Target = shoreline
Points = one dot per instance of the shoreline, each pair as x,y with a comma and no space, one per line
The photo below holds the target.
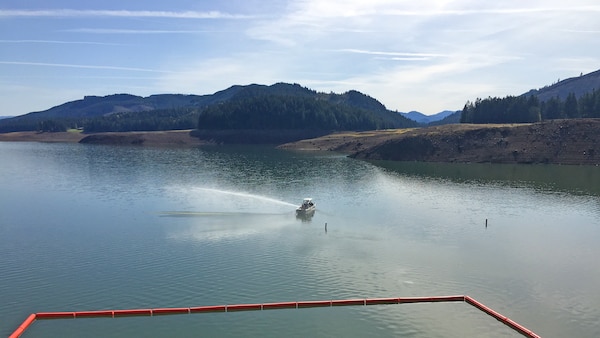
179,138
34,136
572,141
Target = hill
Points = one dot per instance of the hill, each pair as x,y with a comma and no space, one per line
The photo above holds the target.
579,86
348,111
93,106
124,112
571,98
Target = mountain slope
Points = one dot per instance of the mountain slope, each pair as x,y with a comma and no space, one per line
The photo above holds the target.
92,106
577,85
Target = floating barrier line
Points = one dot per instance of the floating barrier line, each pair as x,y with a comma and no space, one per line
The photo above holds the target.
272,306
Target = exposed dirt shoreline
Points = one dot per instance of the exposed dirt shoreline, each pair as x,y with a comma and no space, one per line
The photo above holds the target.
575,141
177,138
31,136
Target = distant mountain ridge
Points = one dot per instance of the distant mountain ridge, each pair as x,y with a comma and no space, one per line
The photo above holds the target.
579,86
157,112
426,119
92,106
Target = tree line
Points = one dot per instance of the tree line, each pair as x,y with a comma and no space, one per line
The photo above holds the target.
160,119
294,112
350,111
524,109
154,120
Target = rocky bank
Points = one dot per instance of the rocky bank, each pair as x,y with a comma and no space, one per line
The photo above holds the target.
574,141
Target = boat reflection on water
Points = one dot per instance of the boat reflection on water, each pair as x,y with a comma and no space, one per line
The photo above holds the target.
305,216
306,210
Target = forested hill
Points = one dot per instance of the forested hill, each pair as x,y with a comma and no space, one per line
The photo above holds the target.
577,97
93,106
299,112
124,112
577,86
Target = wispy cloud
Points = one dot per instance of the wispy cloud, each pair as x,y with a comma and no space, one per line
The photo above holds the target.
62,42
67,65
120,13
423,55
581,31
309,10
508,11
135,31
394,55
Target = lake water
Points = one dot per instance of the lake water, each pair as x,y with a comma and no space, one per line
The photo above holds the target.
86,227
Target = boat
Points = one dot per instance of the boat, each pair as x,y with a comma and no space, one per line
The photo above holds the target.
307,207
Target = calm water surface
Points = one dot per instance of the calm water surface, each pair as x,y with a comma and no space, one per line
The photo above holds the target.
86,227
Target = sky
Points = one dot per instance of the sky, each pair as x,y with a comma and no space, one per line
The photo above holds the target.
426,55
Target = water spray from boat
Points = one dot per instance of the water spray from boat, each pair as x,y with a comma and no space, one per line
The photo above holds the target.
248,195
215,214
214,202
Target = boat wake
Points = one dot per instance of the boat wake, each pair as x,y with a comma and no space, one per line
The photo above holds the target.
247,195
215,214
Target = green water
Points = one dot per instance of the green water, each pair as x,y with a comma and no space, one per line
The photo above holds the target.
86,227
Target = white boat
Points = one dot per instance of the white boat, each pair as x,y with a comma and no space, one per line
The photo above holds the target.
307,207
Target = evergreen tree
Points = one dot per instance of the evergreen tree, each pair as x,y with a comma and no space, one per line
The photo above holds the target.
597,104
586,105
51,126
552,109
570,107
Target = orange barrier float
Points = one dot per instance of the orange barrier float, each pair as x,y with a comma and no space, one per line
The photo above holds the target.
280,305
19,331
460,298
507,321
348,302
314,303
100,313
52,315
272,306
244,307
170,311
133,312
211,308
381,301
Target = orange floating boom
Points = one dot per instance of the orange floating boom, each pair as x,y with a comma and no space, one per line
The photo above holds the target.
19,331
272,306
507,321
